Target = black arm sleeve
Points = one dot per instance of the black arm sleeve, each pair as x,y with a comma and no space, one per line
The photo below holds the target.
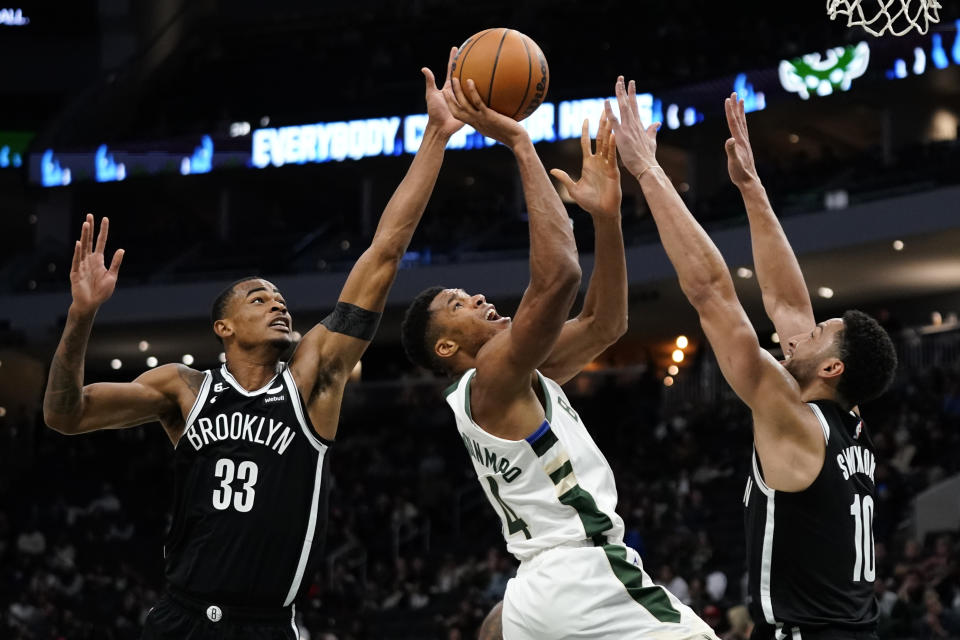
351,320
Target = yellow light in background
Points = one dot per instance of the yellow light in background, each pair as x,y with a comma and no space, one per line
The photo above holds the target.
775,338
678,356
668,381
682,343
673,369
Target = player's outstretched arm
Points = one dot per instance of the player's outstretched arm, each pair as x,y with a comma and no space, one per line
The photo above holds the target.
70,407
328,352
782,423
603,319
505,363
785,296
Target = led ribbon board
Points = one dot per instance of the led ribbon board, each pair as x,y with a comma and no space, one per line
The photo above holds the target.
815,75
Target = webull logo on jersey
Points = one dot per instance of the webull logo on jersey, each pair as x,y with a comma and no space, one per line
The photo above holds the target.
490,460
856,459
240,426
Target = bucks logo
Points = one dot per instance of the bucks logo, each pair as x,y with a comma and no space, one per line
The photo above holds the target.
813,74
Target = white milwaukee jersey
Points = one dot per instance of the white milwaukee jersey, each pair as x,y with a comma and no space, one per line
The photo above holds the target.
553,488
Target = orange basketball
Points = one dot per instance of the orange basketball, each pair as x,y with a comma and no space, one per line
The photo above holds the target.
508,68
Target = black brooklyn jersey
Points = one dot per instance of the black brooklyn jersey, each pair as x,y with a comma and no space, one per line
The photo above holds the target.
250,502
810,553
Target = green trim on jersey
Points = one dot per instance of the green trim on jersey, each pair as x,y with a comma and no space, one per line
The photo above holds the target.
546,397
654,598
466,395
594,521
544,442
561,473
452,388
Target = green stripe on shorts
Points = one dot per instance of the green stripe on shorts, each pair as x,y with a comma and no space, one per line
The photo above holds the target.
654,598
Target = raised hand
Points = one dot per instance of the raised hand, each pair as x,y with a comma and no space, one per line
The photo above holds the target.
91,282
740,161
598,189
437,109
638,145
467,106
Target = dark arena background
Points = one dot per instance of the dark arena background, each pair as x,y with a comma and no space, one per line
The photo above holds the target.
185,122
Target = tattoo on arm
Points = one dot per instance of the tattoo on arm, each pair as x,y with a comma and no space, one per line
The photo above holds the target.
64,394
193,379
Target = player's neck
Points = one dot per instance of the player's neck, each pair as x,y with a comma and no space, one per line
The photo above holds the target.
819,390
251,372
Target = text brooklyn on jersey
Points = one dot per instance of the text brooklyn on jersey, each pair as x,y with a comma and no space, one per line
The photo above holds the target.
250,503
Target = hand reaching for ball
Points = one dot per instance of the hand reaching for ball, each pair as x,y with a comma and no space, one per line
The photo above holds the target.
437,109
467,106
598,189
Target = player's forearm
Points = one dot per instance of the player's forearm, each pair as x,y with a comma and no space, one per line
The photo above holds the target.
700,267
405,208
605,304
778,272
553,250
63,399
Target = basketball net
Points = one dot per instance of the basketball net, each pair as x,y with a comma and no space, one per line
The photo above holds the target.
895,17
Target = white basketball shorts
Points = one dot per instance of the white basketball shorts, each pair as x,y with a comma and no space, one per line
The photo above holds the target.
600,593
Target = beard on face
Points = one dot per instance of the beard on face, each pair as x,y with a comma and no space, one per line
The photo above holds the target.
801,370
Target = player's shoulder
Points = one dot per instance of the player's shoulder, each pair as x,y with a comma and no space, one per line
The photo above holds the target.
173,377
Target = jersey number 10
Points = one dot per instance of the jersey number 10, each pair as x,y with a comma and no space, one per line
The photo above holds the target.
865,566
226,470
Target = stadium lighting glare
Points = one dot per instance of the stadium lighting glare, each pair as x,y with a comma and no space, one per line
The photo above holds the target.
3,411
678,356
222,357
673,369
744,273
794,138
775,338
682,342
668,381
143,346
152,362
187,359
898,245
825,292
115,364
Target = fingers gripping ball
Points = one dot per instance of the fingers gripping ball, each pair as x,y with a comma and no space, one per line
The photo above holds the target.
509,69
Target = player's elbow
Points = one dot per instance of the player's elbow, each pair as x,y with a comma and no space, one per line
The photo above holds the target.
706,292
566,276
615,329
60,423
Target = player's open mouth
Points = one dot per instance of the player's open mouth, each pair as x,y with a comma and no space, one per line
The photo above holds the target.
493,316
281,323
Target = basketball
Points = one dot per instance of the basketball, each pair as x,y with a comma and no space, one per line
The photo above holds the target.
509,69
